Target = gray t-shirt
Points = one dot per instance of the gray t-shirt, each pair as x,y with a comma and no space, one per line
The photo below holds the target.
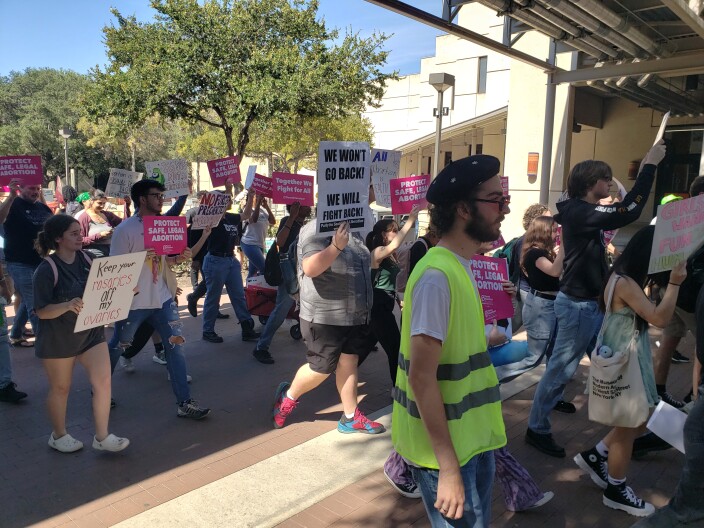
55,338
342,294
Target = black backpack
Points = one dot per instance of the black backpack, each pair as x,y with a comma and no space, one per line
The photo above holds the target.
687,298
272,266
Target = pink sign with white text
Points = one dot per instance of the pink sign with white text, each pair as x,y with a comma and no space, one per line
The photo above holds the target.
262,185
165,234
290,188
224,170
407,192
27,169
489,274
504,184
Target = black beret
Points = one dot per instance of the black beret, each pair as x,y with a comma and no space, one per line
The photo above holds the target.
455,181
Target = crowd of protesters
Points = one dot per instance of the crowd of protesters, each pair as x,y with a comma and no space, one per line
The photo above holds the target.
445,364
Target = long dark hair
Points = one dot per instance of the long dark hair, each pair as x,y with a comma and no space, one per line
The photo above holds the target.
538,235
584,176
633,263
375,237
53,228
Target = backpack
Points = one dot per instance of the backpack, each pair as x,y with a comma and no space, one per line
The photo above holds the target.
289,268
403,256
87,256
689,291
272,267
508,252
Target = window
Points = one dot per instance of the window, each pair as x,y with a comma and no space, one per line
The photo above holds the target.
480,148
448,158
481,74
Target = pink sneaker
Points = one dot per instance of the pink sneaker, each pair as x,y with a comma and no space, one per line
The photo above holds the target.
359,424
283,405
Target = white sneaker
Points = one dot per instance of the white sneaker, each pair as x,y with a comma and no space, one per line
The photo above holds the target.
126,363
188,378
65,444
159,357
111,443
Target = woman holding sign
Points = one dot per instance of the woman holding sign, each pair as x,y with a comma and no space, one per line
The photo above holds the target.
258,217
97,225
59,283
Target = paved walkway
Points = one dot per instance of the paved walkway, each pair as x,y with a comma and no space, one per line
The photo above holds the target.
234,470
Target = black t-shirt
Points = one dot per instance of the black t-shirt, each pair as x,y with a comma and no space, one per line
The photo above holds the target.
292,234
417,252
226,235
537,279
24,220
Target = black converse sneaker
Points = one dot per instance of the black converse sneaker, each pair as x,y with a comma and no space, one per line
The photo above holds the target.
595,465
621,497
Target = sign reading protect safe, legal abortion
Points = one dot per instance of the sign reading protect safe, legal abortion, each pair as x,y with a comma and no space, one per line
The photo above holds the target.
407,192
27,169
210,210
489,274
166,235
172,174
385,167
224,170
343,185
290,188
109,290
679,230
121,181
262,185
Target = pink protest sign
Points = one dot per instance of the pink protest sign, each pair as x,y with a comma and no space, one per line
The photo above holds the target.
289,188
499,242
407,192
165,234
262,186
489,274
28,169
504,184
224,170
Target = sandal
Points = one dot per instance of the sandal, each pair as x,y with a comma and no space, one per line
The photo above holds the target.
65,444
111,443
21,343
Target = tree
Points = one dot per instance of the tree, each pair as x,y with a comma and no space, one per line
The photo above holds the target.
291,143
232,64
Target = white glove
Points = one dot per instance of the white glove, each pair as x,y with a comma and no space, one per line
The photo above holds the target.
656,154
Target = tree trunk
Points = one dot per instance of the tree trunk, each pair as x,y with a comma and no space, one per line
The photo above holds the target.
230,143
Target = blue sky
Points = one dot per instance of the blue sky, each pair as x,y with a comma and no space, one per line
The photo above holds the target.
68,34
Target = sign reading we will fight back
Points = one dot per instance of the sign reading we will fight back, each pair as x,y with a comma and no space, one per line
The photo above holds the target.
290,188
407,192
489,274
27,169
224,170
679,231
166,235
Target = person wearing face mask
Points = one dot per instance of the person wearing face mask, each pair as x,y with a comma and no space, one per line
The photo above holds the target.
97,225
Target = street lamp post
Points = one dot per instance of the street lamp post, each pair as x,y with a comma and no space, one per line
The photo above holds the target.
441,82
66,133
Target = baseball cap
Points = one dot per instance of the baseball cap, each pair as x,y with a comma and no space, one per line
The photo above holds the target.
670,198
460,177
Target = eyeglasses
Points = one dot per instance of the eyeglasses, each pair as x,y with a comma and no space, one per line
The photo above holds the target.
159,196
502,202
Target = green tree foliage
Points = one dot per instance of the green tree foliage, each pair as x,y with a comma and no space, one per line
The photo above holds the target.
233,64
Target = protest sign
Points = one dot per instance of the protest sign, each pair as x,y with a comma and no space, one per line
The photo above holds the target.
224,170
499,242
262,185
504,185
663,126
165,234
210,210
109,290
289,188
385,167
679,230
407,192
251,172
489,273
343,185
27,169
172,174
120,182
49,195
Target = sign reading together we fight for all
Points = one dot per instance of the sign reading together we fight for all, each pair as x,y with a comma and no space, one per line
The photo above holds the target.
290,188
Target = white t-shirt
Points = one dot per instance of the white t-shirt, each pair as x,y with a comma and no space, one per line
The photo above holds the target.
431,302
128,237
255,234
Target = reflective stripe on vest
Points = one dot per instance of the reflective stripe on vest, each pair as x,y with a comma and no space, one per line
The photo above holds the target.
453,411
453,371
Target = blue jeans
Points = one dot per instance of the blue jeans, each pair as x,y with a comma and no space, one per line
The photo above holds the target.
22,275
219,272
255,255
165,321
5,360
578,321
284,302
18,324
477,476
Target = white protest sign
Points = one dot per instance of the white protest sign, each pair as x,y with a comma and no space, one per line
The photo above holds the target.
210,210
251,171
110,290
343,185
679,231
663,125
385,166
172,174
49,195
120,182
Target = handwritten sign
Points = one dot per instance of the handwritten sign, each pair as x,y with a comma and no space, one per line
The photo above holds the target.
27,169
49,195
172,174
262,186
165,234
289,188
489,273
251,172
210,210
109,290
407,192
678,232
121,181
385,167
224,170
343,185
